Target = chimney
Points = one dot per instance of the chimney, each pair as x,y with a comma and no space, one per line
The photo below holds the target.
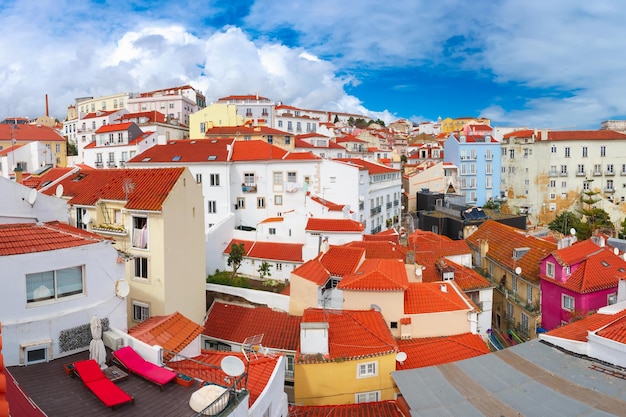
443,288
18,175
47,113
314,338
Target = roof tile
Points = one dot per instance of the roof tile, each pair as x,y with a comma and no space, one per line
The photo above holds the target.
433,351
428,297
173,332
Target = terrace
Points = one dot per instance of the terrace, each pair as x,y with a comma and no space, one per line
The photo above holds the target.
58,394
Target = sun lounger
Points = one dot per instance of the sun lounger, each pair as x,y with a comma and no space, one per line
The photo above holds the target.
95,380
131,360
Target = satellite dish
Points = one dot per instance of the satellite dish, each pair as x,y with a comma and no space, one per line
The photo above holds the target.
232,366
616,251
518,270
122,288
572,231
32,196
86,218
401,357
59,190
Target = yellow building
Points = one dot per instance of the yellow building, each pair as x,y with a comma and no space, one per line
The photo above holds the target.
449,125
511,259
345,357
156,218
215,115
18,134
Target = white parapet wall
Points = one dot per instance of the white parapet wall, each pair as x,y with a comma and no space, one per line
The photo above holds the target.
272,300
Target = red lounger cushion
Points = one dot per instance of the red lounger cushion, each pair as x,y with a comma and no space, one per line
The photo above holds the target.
94,379
138,365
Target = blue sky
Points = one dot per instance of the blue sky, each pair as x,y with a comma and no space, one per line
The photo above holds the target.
533,63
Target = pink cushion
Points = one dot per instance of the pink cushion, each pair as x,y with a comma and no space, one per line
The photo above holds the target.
88,370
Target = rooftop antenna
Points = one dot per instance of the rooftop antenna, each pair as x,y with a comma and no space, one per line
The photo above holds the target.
128,186
251,345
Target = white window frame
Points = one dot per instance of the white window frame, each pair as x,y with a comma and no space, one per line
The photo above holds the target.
367,369
367,397
142,259
144,312
211,207
53,295
565,302
550,269
214,180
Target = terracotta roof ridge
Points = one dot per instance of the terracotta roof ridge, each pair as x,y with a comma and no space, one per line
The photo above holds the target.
393,345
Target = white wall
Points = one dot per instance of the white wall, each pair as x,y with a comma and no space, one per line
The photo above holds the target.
272,300
15,206
24,324
273,396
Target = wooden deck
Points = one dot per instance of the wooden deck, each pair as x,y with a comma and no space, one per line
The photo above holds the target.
59,395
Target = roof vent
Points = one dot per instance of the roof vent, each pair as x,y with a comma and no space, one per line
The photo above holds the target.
443,288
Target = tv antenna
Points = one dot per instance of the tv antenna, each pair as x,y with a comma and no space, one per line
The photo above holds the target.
128,186
251,345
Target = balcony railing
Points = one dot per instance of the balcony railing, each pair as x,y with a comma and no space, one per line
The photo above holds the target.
110,229
248,188
610,173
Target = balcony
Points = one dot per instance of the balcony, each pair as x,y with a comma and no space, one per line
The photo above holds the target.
389,205
248,188
563,174
553,174
375,210
610,173
597,173
99,164
580,173
609,190
111,164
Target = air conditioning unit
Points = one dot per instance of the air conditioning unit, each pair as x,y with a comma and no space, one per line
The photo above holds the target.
112,341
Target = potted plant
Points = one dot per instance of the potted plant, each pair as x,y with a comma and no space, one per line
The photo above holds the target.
68,368
184,380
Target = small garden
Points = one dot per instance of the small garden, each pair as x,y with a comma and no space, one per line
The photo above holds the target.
224,278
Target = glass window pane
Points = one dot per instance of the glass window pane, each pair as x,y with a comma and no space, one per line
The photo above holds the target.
39,286
69,281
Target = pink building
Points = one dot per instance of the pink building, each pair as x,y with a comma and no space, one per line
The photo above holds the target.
577,280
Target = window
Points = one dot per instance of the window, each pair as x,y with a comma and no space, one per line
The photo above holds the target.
280,123
81,217
260,202
611,299
529,294
509,311
393,325
51,285
272,231
241,203
141,311
277,178
140,232
585,151
289,126
609,169
602,150
563,170
287,140
248,178
553,149
597,169
270,139
366,397
567,151
550,269
552,183
36,354
586,186
366,370
524,323
580,170
212,206
289,366
512,153
291,176
141,267
279,267
514,284
215,180
609,184
199,178
567,302
278,200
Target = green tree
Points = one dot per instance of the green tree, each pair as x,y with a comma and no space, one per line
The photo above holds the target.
564,222
491,205
264,270
622,232
350,121
235,257
71,148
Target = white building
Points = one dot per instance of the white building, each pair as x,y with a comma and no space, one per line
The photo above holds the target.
252,107
115,144
55,279
30,157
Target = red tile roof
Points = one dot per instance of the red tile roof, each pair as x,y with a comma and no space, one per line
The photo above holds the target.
615,331
115,127
349,138
289,252
27,132
151,187
373,409
185,151
584,135
600,271
313,271
466,278
579,330
334,225
380,249
352,334
328,204
21,238
576,253
372,167
428,297
279,329
300,143
389,235
377,275
259,370
503,239
423,242
252,97
301,156
48,177
256,150
173,332
153,116
340,260
432,351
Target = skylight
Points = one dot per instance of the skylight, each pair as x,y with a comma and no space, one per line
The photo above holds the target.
177,158
211,158
146,159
